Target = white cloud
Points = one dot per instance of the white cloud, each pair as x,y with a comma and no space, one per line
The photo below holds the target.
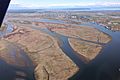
67,4
87,4
14,2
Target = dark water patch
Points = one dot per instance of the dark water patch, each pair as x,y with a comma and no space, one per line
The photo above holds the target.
107,64
15,71
49,21
65,46
10,71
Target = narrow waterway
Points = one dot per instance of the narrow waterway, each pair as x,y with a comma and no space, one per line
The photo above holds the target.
15,64
65,46
106,66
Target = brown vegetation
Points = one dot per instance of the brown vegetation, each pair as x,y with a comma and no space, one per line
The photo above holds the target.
86,49
44,51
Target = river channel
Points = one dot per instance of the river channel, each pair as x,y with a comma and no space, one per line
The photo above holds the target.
15,64
106,66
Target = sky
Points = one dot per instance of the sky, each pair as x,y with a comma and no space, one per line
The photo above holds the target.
49,3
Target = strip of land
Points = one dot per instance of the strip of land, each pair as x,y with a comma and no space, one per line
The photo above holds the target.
50,62
45,53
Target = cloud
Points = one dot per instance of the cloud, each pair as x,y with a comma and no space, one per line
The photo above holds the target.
88,4
102,4
14,2
16,6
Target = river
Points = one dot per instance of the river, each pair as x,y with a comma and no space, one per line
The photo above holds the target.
13,70
106,66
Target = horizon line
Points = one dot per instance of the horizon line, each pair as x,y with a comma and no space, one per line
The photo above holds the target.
105,4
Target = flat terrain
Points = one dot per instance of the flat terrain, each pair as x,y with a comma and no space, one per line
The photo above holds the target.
50,62
86,49
87,41
45,54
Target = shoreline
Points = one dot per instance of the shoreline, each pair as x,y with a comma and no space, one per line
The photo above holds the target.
32,55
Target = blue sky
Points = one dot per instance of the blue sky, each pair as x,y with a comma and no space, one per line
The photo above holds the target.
49,3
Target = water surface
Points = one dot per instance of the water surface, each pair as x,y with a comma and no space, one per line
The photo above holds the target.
105,66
